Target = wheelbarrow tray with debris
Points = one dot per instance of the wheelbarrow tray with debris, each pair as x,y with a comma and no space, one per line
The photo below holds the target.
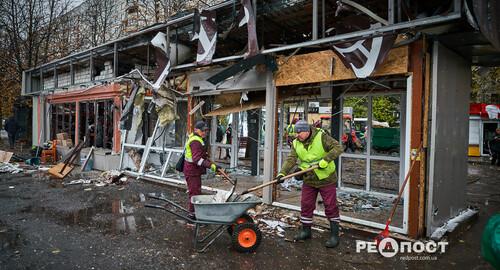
230,216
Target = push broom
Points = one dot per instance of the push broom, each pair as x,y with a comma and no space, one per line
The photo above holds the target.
385,233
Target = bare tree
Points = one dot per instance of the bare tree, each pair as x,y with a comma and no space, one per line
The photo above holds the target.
97,18
26,35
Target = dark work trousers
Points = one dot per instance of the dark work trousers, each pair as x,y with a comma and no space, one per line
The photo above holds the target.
308,203
194,188
12,139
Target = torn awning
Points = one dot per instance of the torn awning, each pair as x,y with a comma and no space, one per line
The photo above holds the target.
237,108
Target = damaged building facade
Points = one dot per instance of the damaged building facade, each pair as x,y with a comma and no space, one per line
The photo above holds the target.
390,80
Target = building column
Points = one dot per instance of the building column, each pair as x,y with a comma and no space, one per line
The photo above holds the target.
269,140
117,113
234,141
77,123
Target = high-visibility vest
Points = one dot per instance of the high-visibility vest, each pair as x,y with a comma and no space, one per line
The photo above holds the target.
312,155
188,155
290,131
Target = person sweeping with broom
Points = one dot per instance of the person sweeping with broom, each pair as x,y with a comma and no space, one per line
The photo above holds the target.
313,146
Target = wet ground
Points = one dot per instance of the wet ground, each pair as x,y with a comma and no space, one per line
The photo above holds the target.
45,225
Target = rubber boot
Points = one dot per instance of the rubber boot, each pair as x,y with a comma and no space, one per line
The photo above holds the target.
334,235
304,233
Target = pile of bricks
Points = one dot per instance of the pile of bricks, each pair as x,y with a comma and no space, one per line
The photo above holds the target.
64,140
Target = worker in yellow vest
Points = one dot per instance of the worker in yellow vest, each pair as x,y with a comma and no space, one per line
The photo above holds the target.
314,146
196,161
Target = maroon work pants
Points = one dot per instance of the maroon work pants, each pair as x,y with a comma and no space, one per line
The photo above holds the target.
308,203
194,188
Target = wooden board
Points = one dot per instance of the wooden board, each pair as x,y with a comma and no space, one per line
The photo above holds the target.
55,171
5,156
326,66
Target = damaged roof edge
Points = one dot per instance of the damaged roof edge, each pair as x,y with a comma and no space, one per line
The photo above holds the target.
419,23
146,30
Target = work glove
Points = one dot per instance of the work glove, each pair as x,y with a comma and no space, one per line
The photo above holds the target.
214,167
278,178
323,164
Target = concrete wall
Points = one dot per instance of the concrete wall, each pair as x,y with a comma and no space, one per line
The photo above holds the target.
451,83
102,159
82,75
34,123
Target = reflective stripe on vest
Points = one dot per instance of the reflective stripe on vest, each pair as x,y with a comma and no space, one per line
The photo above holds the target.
312,155
188,156
290,130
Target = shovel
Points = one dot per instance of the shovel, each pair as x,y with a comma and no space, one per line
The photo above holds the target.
233,182
282,178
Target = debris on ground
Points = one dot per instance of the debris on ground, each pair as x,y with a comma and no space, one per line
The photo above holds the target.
10,168
101,180
292,183
361,202
278,227
114,177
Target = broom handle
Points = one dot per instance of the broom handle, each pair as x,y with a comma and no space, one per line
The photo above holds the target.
282,178
393,211
224,174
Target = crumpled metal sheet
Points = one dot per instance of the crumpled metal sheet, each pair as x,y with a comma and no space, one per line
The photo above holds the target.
10,168
135,132
127,113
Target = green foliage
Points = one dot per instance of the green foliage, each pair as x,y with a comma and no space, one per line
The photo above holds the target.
386,109
485,85
358,105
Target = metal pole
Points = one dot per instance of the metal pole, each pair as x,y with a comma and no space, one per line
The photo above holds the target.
71,73
91,64
234,141
390,11
55,77
315,20
269,146
323,18
115,60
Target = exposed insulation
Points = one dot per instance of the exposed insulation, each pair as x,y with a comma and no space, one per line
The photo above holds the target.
237,108
228,99
326,66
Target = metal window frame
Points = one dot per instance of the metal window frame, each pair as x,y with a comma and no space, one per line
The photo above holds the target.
404,165
481,134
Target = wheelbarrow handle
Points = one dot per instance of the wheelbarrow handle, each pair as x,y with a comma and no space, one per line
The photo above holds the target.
282,178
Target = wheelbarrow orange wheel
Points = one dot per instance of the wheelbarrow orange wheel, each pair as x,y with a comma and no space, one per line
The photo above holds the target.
246,237
242,219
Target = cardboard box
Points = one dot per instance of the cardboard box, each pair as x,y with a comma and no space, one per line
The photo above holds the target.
62,136
5,156
67,143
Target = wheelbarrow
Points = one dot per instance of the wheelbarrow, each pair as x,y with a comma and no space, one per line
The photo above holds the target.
230,216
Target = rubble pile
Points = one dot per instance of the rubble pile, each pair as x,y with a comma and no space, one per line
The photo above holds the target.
361,202
104,179
273,220
10,168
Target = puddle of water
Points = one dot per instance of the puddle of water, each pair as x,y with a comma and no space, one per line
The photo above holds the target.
111,217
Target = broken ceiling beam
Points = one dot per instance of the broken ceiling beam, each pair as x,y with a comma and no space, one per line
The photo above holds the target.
366,11
242,66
